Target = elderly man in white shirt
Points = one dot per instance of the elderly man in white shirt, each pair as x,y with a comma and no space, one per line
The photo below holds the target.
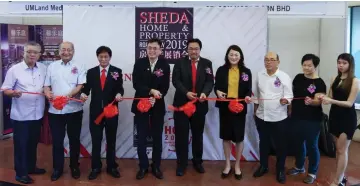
65,78
27,110
272,95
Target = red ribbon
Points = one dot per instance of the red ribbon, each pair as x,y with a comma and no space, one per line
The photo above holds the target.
59,102
144,105
189,108
235,107
109,111
112,110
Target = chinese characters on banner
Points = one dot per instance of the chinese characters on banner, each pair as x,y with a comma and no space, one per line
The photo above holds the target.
49,37
173,26
13,38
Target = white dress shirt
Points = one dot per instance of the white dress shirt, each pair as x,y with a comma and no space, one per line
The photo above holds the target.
106,73
272,110
106,70
152,65
63,78
22,78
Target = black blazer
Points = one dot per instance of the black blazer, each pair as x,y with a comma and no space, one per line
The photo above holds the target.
144,81
222,80
182,81
101,98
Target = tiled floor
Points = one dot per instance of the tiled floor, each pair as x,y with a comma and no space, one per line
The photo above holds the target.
128,168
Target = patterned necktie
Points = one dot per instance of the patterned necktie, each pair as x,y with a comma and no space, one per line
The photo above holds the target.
193,72
102,79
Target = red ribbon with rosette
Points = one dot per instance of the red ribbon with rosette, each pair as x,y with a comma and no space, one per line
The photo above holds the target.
189,108
109,111
112,110
235,107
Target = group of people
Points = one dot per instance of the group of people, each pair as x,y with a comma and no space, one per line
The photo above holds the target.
277,100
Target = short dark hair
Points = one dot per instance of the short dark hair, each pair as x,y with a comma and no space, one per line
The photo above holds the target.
194,40
238,49
102,49
315,59
155,40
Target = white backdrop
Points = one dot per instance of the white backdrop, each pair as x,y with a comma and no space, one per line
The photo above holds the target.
90,27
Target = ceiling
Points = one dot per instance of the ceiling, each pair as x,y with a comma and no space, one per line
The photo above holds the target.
353,3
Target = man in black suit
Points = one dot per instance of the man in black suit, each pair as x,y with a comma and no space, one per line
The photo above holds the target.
193,78
151,78
106,84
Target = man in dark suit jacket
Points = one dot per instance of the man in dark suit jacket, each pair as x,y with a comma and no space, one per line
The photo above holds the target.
193,78
151,78
106,84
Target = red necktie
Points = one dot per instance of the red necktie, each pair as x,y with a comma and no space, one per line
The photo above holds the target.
102,79
193,72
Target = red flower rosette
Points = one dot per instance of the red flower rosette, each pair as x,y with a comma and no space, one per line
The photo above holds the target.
59,102
144,105
189,108
235,107
109,111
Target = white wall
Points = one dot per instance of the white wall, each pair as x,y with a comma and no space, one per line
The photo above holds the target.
294,37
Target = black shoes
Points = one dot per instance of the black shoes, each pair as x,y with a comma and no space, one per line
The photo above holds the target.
180,171
157,172
260,172
75,173
24,179
199,168
225,175
141,174
280,177
154,170
56,175
113,172
93,174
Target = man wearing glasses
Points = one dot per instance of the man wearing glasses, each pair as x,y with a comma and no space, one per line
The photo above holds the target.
193,79
271,115
27,110
151,78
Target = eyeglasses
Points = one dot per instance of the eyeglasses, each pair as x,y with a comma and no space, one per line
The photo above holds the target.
152,48
32,52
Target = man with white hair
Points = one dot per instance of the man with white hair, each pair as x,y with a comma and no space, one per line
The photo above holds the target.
65,78
27,110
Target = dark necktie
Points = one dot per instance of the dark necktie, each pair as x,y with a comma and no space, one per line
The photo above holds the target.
102,79
193,72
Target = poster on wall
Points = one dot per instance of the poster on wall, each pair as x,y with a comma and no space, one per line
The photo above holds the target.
173,26
13,38
49,37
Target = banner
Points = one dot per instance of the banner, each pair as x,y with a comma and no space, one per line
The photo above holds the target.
173,26
49,37
13,38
